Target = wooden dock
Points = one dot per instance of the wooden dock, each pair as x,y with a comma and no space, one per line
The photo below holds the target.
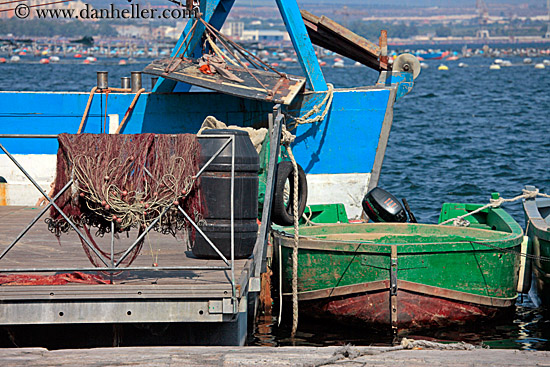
135,296
267,356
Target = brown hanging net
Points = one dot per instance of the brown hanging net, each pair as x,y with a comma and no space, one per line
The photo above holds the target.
128,181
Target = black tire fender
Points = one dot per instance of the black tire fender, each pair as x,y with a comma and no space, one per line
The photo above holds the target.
281,210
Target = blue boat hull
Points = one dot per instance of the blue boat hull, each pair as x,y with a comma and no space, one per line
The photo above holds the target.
337,153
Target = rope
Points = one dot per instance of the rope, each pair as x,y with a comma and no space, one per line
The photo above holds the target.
350,353
192,33
286,139
495,203
307,218
511,251
220,36
245,53
305,119
218,51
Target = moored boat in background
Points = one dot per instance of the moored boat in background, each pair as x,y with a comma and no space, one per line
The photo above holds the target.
537,228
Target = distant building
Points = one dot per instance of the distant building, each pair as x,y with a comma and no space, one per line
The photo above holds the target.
133,31
169,32
34,4
233,29
265,35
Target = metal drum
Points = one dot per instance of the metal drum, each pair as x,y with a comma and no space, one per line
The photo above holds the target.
216,190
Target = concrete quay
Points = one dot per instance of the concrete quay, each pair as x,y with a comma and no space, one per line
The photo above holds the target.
269,356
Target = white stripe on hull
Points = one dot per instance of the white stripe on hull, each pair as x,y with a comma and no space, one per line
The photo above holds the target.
19,190
347,189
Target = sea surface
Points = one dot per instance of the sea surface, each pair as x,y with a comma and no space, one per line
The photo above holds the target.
459,136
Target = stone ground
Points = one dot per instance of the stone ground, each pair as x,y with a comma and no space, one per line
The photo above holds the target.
268,356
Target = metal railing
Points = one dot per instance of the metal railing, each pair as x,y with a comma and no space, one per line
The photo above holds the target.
110,265
275,120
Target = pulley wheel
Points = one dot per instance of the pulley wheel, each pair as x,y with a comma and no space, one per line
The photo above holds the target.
407,63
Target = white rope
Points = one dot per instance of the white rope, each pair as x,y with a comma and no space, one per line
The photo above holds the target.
295,248
307,218
218,51
286,139
495,203
305,119
350,353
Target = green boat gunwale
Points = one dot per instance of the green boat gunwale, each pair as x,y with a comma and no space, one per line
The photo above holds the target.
424,239
474,238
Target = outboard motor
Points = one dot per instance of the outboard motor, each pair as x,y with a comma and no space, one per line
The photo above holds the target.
381,206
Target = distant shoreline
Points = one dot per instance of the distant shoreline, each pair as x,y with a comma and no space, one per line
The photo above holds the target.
439,41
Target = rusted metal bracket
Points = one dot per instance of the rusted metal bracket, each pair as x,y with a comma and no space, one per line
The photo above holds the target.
393,277
383,42
393,288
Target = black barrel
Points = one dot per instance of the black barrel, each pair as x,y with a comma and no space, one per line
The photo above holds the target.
216,190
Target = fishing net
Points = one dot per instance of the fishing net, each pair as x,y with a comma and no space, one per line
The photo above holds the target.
126,182
57,279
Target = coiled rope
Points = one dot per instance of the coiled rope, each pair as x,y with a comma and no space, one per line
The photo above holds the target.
305,119
495,203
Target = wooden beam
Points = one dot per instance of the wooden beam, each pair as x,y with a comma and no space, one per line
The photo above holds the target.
327,33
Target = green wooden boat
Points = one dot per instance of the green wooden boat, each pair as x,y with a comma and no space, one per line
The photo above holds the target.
406,275
537,227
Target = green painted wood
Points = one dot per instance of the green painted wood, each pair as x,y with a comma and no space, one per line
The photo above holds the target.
448,257
325,213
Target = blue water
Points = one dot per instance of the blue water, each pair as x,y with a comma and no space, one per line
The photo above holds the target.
457,137
462,134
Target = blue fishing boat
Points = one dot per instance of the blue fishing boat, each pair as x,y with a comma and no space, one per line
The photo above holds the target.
341,153
338,136
433,55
